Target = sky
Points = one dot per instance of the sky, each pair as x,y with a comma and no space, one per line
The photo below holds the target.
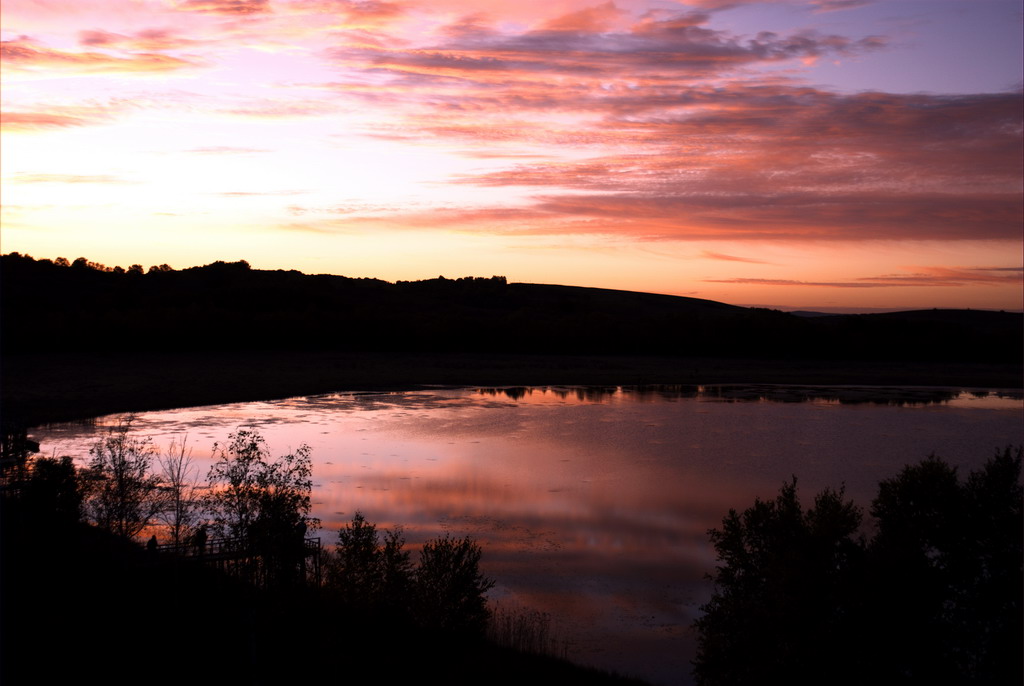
799,154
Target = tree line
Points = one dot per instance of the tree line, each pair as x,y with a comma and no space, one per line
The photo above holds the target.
934,595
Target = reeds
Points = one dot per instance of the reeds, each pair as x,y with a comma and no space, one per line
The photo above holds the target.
525,630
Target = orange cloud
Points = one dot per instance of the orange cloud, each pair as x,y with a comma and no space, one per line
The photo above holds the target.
30,121
282,109
730,258
23,55
228,7
67,178
929,277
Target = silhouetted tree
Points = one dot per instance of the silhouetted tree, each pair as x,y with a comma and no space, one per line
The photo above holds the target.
780,607
235,482
369,574
46,496
355,569
54,485
123,496
180,491
15,450
396,582
450,588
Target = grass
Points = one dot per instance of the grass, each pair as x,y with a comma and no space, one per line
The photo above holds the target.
525,630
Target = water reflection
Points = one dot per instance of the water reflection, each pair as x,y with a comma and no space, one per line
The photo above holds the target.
592,503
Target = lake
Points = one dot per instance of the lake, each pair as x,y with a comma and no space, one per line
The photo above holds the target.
591,504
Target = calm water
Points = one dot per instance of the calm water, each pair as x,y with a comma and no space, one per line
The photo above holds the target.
591,504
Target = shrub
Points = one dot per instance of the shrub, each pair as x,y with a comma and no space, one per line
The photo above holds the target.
450,588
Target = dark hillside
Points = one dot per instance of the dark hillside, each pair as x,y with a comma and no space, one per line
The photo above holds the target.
228,307
926,335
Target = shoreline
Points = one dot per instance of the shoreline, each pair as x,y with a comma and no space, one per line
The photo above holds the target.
41,389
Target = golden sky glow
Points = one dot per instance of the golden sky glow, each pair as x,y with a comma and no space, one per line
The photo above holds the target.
805,154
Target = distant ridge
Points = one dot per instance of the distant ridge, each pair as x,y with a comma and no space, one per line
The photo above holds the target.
809,313
85,307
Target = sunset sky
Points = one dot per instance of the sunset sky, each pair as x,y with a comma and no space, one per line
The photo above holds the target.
822,154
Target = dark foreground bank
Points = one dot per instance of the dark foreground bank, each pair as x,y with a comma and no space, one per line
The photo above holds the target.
82,606
41,388
240,592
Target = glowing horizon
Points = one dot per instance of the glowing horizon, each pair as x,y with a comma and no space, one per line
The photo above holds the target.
818,154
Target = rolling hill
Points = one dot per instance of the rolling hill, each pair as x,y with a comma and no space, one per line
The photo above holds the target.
229,307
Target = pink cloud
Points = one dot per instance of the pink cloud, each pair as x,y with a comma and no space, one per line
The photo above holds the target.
226,150
368,12
792,282
246,194
842,216
145,40
952,276
837,5
787,162
816,5
590,20
660,46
